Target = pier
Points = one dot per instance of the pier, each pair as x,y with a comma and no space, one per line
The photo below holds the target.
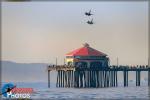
97,77
87,67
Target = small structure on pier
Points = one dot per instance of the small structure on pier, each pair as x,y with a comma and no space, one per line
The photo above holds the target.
87,56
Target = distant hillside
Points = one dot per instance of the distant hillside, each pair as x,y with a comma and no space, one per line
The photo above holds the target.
23,72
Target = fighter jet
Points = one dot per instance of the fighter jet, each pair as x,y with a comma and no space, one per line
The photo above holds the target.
88,13
90,22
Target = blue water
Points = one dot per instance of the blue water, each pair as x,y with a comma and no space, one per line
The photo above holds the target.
132,92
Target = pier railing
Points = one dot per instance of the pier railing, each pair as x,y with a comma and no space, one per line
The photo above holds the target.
110,68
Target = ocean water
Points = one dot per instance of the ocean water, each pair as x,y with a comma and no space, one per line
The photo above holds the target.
41,91
94,93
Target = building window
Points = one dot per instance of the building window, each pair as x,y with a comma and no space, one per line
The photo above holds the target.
81,64
77,56
96,64
69,56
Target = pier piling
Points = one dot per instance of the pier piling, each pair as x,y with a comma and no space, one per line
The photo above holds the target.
48,78
93,77
149,77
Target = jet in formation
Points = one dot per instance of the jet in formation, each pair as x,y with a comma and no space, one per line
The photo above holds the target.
90,22
88,13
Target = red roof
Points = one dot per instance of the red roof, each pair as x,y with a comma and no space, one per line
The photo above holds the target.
85,51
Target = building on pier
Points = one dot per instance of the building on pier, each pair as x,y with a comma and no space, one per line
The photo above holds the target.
87,56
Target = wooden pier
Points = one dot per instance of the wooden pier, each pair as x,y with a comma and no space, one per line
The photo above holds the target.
83,77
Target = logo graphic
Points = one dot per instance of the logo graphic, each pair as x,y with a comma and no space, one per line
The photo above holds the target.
9,90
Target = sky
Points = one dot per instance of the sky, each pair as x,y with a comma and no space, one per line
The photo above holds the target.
38,32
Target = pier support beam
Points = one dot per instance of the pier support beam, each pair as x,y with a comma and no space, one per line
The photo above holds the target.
125,78
138,77
149,77
114,75
63,80
72,78
48,78
116,78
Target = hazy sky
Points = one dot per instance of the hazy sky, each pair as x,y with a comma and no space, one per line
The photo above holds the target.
42,31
